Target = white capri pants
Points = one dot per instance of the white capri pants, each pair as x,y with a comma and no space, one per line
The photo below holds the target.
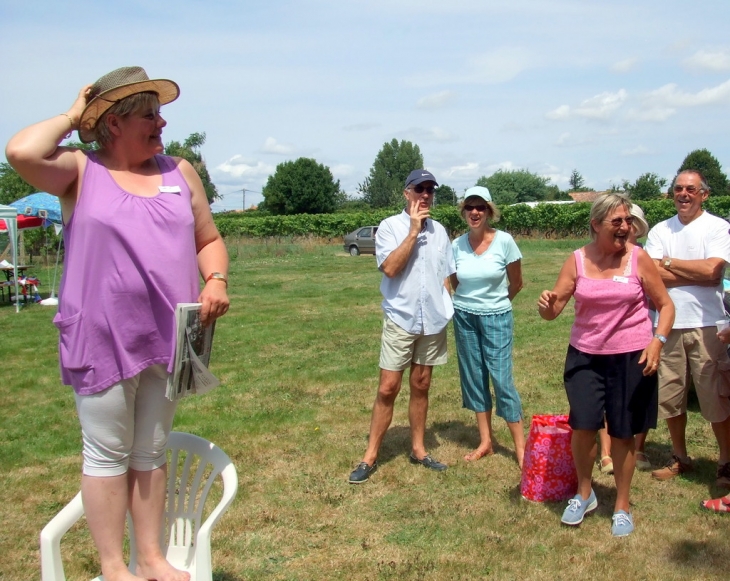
127,425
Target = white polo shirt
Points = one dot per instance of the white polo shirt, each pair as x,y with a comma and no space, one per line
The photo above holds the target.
416,299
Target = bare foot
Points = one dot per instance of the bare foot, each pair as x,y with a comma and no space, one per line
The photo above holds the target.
478,453
120,573
161,570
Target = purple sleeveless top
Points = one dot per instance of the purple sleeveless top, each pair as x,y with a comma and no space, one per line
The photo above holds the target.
129,260
611,315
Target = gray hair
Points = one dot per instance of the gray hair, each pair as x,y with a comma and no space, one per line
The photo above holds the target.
699,174
123,108
605,204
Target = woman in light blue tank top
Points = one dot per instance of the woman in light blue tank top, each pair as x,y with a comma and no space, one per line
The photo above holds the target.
138,233
488,276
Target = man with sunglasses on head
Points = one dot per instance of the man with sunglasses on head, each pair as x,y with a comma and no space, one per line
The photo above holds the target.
691,251
413,252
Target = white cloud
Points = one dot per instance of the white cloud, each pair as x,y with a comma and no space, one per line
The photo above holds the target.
342,170
624,66
271,145
562,112
436,101
467,170
601,106
563,139
239,167
662,103
709,60
671,96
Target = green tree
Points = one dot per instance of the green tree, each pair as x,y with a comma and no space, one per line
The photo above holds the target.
513,186
384,186
703,161
12,186
445,196
190,151
648,186
301,187
576,181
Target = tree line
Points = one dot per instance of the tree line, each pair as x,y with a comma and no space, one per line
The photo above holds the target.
306,187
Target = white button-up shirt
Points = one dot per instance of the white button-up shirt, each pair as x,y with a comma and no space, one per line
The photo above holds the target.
416,299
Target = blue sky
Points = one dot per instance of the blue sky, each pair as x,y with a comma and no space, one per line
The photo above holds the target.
612,89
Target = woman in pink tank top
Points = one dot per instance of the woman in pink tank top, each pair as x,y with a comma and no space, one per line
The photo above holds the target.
610,368
138,234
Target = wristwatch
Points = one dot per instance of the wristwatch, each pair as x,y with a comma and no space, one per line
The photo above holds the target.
667,262
662,338
217,276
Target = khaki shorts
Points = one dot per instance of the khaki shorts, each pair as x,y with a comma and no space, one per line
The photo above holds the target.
700,354
399,349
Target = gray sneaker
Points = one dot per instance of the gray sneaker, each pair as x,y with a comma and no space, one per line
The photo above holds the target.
362,472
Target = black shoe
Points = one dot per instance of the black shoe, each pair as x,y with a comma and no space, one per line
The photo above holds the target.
428,462
362,472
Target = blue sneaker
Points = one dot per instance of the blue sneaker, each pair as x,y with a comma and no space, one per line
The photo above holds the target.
578,508
623,524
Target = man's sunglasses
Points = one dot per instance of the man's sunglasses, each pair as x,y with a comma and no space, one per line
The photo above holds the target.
419,189
690,189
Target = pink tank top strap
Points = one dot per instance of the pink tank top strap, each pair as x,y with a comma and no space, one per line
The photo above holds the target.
579,267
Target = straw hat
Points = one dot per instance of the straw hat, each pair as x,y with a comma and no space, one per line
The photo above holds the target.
115,86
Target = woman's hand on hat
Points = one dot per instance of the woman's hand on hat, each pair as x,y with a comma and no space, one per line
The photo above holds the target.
74,113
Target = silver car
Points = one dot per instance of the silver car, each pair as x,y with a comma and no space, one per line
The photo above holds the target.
361,241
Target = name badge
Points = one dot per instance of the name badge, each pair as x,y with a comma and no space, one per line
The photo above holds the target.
169,189
622,279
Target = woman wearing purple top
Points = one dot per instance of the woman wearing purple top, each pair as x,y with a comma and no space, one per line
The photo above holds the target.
138,233
610,367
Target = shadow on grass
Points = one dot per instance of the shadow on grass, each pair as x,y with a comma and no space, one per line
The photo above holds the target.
467,436
397,442
700,557
219,575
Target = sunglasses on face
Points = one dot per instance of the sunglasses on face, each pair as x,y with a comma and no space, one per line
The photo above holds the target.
479,208
690,189
616,222
419,189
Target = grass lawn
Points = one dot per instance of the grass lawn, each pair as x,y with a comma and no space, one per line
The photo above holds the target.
298,359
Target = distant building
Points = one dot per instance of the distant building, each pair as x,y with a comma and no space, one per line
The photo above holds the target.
585,196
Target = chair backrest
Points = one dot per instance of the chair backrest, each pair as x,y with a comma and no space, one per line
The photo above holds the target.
193,467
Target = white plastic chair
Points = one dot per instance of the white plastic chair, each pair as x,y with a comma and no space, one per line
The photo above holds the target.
193,466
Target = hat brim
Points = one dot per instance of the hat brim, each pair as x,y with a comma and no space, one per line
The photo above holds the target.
167,91
641,226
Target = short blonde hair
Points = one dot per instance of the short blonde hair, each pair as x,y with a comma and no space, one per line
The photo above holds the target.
125,107
494,213
603,205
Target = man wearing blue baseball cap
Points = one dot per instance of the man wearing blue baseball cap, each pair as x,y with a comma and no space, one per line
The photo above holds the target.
414,254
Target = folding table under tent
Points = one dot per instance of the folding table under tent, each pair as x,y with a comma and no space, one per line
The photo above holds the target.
10,216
